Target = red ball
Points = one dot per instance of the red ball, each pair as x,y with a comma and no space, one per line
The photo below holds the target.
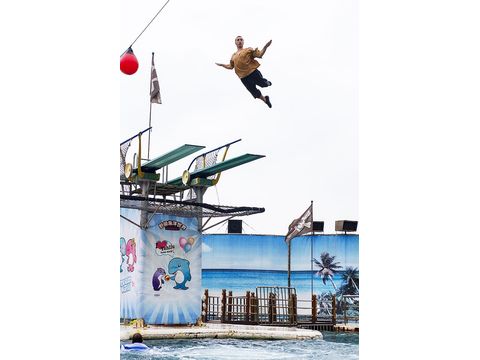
129,63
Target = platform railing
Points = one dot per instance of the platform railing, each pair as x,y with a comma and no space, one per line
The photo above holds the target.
264,307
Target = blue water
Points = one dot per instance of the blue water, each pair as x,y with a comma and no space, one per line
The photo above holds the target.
240,281
334,346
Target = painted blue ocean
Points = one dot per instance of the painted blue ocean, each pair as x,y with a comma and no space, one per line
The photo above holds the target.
240,281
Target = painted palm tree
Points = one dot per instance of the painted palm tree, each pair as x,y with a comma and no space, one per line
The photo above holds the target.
348,303
350,280
350,276
328,267
324,301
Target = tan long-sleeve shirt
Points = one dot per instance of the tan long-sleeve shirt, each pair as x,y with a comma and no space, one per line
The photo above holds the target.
244,63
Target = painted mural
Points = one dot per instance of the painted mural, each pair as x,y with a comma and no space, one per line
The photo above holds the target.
162,277
129,238
160,269
321,264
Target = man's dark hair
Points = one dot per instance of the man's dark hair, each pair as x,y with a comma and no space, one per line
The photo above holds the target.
137,338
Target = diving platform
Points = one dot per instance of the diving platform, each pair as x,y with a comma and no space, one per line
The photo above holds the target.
143,188
170,157
214,169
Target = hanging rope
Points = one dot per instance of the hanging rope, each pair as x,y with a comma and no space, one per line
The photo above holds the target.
145,28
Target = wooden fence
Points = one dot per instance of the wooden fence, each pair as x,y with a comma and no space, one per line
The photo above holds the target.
277,306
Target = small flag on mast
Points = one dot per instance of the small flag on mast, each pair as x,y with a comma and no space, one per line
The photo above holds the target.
300,226
154,86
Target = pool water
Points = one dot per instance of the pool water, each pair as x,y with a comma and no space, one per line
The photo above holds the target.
341,346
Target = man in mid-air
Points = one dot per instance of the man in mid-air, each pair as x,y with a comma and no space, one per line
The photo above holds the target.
246,67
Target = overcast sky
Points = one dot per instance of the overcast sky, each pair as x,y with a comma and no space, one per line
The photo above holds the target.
309,137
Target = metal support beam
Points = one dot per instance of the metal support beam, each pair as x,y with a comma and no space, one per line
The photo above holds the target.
133,222
203,229
153,214
199,191
145,185
206,222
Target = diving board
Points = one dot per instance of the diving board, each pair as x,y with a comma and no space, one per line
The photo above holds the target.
170,157
214,169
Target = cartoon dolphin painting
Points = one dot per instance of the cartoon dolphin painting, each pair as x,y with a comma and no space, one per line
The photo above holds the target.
157,280
180,271
123,252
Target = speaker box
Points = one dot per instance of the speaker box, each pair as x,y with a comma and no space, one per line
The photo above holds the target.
318,226
346,225
234,226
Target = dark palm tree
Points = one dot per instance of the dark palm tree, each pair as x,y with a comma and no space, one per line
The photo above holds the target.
328,267
348,304
350,282
350,276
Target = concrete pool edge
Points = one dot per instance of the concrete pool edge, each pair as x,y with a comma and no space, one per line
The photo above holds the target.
219,331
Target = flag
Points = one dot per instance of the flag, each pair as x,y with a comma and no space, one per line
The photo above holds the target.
154,86
300,226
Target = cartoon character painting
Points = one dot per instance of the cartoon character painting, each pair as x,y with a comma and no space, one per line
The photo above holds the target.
180,271
159,278
131,253
123,252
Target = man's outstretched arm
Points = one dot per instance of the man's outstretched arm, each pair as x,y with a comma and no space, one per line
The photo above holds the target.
265,48
229,66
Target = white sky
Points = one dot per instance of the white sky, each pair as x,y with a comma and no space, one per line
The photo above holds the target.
309,137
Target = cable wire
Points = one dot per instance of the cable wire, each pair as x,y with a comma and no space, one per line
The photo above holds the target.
145,27
249,226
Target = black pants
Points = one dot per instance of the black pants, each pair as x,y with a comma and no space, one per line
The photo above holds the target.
252,81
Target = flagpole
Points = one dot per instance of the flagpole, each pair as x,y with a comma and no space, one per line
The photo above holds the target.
299,227
311,252
289,259
150,115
